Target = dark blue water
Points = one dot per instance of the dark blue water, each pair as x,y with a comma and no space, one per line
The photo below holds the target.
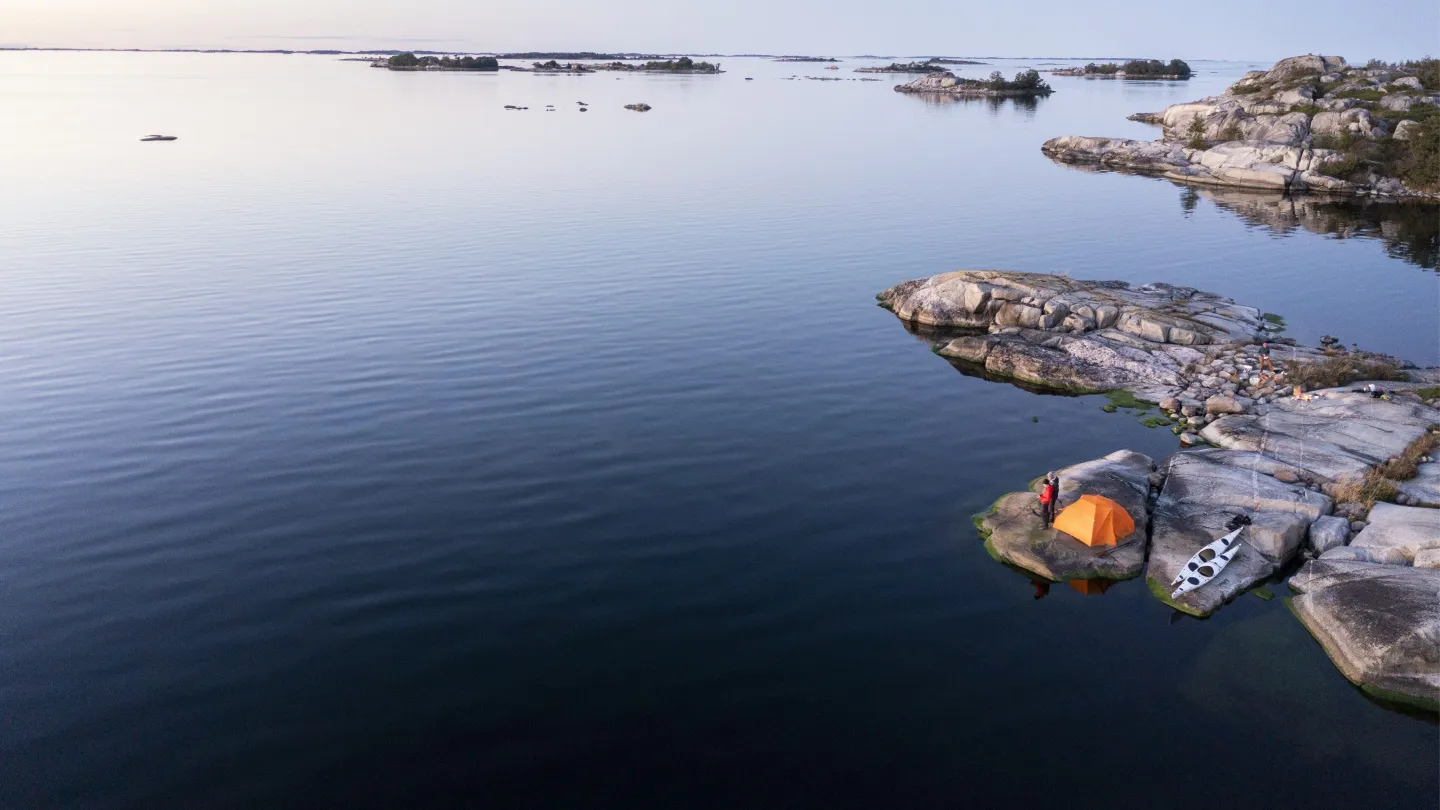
374,446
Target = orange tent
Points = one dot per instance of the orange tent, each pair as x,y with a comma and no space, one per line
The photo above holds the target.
1095,521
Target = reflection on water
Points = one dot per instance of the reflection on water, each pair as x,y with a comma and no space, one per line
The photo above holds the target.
995,103
1410,231
1091,587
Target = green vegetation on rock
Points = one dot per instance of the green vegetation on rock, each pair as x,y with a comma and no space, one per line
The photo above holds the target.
409,61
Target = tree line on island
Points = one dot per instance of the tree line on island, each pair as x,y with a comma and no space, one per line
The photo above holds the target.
1136,68
409,61
1025,80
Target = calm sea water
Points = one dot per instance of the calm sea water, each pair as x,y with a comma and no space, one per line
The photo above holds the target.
373,445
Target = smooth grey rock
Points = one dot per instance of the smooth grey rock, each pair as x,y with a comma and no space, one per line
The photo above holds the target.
1406,130
1379,624
1201,495
1223,405
1327,532
1357,526
1424,488
1337,436
1016,533
1407,530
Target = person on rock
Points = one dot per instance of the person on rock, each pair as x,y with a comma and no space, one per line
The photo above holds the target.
1049,495
1267,368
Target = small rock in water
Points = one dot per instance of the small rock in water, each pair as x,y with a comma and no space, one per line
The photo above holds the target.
1190,439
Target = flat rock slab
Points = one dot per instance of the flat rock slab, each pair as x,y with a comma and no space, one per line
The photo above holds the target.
1424,488
1402,531
1336,436
1281,514
1380,624
1201,494
1016,532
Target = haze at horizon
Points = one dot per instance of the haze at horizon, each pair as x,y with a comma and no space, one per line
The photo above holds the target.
1226,29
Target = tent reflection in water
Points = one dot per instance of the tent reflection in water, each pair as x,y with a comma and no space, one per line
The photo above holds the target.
1095,521
1091,587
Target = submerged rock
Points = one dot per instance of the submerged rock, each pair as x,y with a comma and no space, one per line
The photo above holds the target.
1016,533
1380,624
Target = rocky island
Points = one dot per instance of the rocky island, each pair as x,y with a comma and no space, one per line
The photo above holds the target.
1134,69
1342,479
682,65
409,61
926,66
1309,124
1026,84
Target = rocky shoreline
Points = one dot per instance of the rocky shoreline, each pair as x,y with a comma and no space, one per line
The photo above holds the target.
1309,472
1311,124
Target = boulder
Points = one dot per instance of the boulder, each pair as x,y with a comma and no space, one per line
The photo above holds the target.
1379,624
1403,530
1429,558
1223,405
1016,534
1406,130
1327,532
1408,81
1297,66
1355,121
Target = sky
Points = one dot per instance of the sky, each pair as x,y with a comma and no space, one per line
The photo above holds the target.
1217,29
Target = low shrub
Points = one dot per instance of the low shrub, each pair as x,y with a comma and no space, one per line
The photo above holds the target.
1427,70
1363,94
1342,369
1407,465
1196,131
1374,487
1420,166
1232,132
1308,109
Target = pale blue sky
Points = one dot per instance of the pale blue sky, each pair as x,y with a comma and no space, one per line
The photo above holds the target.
1221,29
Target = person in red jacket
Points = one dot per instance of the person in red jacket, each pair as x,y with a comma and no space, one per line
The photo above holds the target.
1049,495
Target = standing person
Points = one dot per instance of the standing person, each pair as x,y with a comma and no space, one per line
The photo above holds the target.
1049,494
1265,364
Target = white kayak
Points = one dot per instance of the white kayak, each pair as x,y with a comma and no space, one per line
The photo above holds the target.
1207,563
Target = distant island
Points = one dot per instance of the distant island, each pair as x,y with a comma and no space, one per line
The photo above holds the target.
409,61
571,56
940,60
1134,69
805,59
682,65
928,66
1026,84
555,67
